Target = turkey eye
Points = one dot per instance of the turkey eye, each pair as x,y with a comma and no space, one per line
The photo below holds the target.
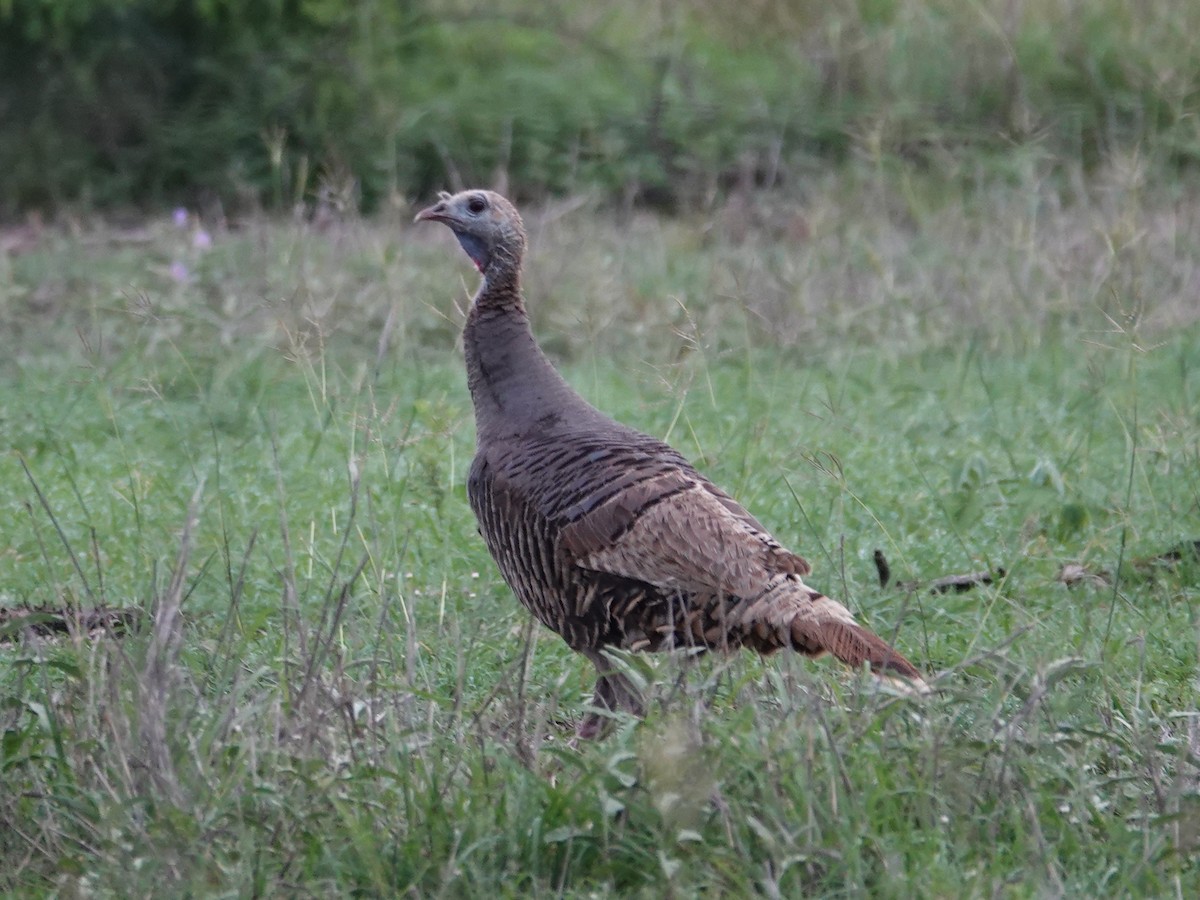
476,205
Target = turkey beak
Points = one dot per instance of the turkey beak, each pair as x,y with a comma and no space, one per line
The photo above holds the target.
436,213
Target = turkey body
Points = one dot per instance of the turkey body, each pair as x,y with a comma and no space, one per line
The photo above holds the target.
609,536
529,496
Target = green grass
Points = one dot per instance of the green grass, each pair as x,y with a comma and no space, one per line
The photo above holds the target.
996,374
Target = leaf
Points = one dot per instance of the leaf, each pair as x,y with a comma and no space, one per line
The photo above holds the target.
1072,519
634,666
1060,669
762,831
613,766
562,834
974,472
12,741
967,507
1045,473
610,804
669,865
40,712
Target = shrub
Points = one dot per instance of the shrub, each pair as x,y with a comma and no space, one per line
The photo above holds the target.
130,101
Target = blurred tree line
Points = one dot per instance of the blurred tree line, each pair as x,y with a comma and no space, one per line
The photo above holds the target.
281,102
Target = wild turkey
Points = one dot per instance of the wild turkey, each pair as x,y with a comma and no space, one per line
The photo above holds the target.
608,535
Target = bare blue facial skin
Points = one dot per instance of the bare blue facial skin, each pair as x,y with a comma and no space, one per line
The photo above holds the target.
475,248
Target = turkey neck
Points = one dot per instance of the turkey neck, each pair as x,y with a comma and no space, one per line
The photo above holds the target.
515,389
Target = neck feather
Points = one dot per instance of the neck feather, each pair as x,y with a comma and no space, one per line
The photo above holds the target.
514,387
501,287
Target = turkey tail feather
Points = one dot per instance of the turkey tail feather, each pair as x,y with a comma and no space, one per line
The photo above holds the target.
828,627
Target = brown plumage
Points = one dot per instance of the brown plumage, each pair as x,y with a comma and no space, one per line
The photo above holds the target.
609,536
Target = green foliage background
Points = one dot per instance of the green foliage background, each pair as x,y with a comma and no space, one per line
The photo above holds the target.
118,102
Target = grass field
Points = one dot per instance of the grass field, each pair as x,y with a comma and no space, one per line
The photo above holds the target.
262,444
